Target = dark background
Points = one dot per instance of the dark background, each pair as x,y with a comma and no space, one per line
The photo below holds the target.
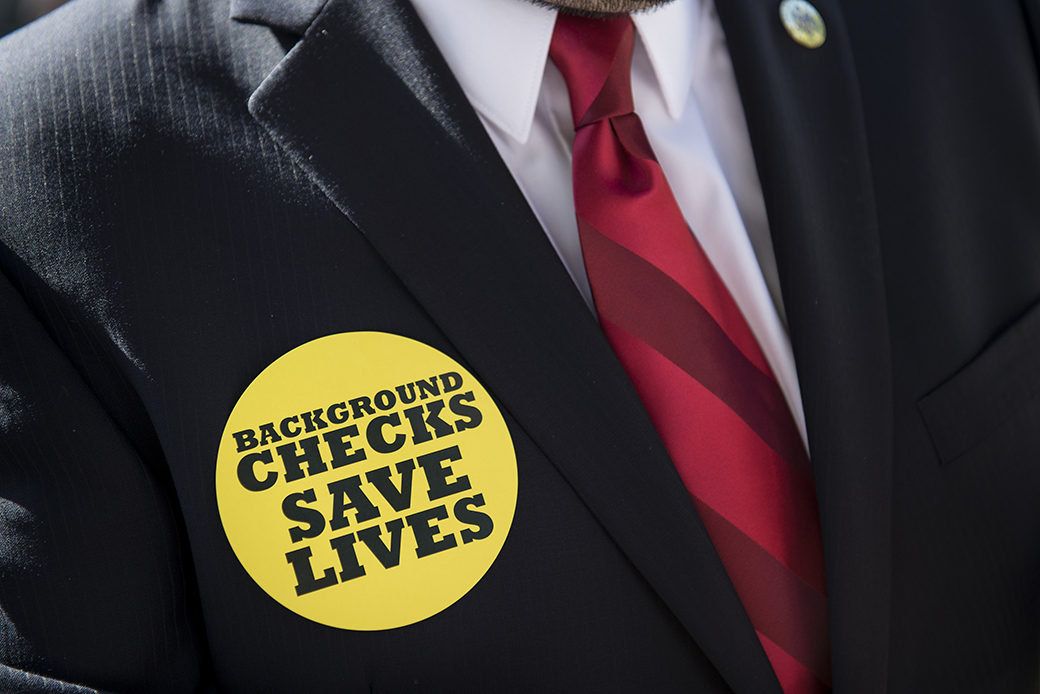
17,13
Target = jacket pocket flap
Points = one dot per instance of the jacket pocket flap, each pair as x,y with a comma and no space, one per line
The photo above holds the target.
973,403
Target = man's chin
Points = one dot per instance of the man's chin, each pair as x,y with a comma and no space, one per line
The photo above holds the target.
601,8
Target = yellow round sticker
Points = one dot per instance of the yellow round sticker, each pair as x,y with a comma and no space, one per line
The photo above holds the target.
366,481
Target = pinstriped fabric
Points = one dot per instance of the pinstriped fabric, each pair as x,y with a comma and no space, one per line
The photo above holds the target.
693,360
102,106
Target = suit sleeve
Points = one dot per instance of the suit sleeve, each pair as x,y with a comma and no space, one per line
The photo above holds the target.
95,582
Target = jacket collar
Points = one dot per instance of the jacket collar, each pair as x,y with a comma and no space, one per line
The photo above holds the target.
291,16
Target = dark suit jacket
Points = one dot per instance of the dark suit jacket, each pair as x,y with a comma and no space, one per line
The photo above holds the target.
182,202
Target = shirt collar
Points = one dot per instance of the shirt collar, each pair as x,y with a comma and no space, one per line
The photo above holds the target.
497,50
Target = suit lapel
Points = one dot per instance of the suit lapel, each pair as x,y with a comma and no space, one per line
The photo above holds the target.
291,16
367,107
806,124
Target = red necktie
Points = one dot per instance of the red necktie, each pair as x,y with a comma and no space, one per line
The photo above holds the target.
693,360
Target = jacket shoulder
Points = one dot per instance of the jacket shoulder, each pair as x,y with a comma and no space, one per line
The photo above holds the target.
100,88
115,70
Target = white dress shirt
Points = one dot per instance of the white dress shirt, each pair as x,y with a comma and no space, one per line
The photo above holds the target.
686,95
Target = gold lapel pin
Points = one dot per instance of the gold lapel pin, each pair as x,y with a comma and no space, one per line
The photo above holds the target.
803,23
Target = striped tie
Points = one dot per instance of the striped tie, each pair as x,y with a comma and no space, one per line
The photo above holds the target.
693,360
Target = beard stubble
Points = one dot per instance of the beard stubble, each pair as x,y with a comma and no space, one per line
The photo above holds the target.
600,8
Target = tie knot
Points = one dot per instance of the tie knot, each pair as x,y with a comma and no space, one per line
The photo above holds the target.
595,57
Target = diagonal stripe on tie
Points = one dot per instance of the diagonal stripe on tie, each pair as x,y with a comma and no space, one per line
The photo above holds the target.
793,676
631,284
662,232
776,601
694,361
723,462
